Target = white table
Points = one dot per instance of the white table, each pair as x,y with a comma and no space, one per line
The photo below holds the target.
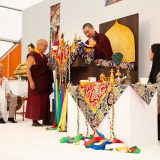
135,121
19,87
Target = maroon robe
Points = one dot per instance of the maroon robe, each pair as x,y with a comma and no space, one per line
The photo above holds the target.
103,49
38,103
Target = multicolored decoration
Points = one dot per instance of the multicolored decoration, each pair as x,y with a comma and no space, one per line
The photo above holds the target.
118,89
62,125
97,141
117,58
95,101
60,59
111,64
90,104
64,55
146,92
78,48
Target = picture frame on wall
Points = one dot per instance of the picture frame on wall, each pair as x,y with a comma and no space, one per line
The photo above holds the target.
109,2
132,23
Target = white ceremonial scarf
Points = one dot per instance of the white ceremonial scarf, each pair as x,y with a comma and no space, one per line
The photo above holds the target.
4,88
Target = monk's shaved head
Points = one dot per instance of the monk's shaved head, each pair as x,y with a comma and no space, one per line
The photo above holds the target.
42,41
42,45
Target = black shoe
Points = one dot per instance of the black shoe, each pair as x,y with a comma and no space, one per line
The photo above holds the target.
36,124
47,123
12,120
2,121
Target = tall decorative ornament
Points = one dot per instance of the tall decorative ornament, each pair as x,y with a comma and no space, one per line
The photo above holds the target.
54,45
54,26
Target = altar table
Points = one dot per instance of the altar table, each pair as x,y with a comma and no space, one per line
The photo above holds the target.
135,121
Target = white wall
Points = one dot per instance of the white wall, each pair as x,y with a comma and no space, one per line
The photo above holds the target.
35,24
36,21
74,13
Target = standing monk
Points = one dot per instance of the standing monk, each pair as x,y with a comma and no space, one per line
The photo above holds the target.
103,49
39,85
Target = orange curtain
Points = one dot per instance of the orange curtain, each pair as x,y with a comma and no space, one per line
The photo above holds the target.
14,60
11,61
4,61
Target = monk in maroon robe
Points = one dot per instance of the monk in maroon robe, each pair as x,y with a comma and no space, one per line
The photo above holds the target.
39,85
103,49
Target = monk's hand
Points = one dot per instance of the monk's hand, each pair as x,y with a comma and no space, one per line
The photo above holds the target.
32,85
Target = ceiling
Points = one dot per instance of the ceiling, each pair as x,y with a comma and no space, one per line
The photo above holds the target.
11,22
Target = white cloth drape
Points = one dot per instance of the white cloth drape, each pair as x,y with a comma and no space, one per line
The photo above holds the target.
4,88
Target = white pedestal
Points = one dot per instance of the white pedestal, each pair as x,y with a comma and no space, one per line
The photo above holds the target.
72,119
135,121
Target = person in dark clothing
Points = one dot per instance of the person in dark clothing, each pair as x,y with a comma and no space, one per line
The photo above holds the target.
103,49
39,85
31,47
154,77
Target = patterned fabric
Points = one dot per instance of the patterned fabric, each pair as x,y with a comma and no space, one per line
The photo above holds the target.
146,92
94,116
111,64
51,61
96,104
65,55
74,91
93,94
95,99
87,54
73,55
118,90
